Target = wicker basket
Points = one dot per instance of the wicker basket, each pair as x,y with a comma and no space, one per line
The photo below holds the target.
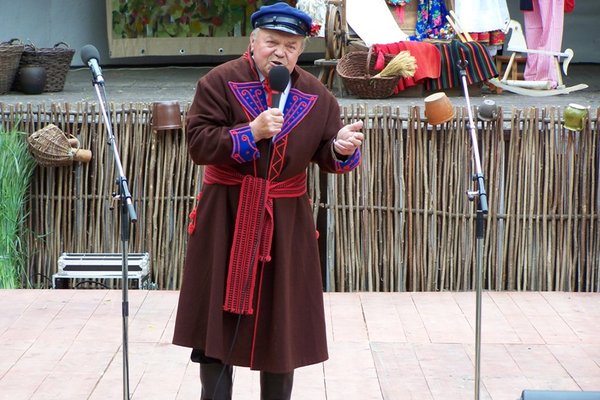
10,55
356,70
51,147
56,60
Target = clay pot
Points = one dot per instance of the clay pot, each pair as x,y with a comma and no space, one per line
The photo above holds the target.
32,80
488,111
166,115
82,155
438,108
574,116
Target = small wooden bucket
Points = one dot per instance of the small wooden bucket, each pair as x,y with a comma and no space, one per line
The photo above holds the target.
438,108
166,115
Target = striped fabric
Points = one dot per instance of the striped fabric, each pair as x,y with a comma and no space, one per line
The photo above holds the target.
480,67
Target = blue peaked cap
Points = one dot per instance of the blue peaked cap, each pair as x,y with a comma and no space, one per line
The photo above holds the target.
282,17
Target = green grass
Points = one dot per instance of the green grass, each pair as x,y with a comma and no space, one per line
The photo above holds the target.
16,169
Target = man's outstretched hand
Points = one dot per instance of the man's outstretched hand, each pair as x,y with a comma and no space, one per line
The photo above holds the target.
348,139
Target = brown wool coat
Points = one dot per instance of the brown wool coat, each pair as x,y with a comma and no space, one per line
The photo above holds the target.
288,326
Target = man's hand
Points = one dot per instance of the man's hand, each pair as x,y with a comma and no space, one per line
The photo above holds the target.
348,139
267,124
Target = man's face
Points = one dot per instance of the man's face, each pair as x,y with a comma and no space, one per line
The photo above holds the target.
271,48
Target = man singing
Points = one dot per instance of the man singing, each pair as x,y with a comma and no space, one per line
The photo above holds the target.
252,293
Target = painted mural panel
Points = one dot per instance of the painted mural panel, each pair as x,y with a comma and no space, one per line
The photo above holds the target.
172,27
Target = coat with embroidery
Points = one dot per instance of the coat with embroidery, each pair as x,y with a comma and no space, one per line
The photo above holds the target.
286,328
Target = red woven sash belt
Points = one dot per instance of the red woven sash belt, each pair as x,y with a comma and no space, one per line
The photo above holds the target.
253,232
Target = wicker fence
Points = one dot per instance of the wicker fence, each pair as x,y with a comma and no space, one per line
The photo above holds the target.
401,222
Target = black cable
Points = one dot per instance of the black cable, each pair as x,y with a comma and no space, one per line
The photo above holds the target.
45,277
247,283
94,282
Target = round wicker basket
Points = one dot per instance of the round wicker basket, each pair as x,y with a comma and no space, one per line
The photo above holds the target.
52,147
356,70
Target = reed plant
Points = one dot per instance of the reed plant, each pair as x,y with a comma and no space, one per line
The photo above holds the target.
16,169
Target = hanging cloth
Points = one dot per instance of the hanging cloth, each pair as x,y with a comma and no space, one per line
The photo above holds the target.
431,19
543,31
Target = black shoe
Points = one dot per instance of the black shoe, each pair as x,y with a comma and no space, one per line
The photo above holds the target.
276,386
216,381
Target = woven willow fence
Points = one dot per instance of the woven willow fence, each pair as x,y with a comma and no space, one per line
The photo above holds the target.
402,221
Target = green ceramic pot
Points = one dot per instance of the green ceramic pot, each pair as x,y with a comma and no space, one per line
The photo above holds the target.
574,116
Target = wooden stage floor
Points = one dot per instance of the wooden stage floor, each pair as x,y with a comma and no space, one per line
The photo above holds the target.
66,344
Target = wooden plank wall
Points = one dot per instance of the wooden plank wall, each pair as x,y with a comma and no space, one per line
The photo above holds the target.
401,222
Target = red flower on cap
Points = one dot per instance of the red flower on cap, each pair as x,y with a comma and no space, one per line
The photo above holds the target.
315,29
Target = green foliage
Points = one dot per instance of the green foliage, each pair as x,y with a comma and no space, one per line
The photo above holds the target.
182,18
16,169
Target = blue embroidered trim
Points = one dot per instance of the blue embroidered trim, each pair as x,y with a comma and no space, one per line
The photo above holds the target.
251,96
352,162
244,147
296,108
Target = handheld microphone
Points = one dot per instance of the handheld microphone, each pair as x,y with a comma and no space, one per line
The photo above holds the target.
90,57
279,77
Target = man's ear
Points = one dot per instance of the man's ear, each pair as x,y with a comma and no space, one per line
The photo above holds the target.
252,41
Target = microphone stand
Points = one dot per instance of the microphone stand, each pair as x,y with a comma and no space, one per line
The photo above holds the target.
127,214
482,210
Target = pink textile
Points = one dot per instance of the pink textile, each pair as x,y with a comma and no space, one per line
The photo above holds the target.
543,31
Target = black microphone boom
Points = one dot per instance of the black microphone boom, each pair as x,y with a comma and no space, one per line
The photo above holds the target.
91,57
279,77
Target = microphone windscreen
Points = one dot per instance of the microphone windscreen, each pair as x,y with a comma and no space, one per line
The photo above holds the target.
89,52
279,77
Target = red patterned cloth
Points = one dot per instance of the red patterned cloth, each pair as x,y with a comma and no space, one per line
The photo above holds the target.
427,57
253,230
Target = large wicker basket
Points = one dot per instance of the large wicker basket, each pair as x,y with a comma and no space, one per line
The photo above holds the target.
356,70
56,60
10,55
